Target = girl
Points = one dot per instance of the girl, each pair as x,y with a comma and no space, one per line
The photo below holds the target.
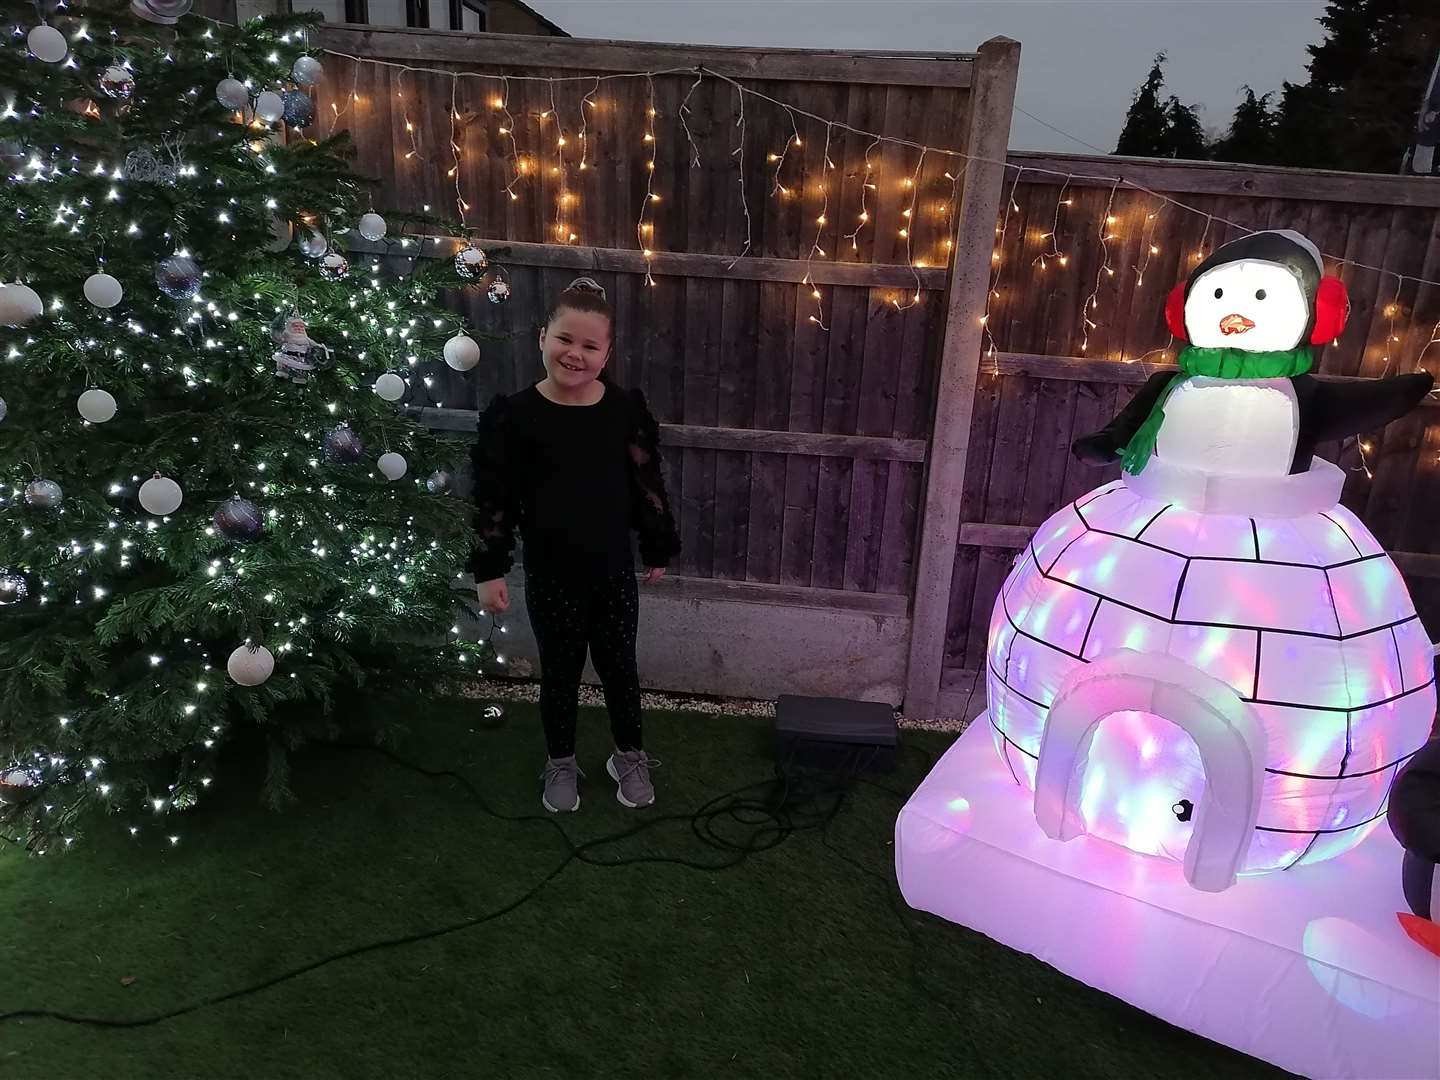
574,462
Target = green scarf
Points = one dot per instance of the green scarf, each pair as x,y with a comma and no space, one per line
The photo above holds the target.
1215,364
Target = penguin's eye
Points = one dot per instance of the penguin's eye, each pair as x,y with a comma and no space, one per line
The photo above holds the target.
1259,294
1219,293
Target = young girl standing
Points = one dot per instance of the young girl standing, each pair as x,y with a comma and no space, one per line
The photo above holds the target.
573,462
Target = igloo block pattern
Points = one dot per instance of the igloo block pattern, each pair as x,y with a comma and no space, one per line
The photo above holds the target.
1306,618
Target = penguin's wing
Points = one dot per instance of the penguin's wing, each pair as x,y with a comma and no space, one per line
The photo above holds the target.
1103,447
1338,410
1413,811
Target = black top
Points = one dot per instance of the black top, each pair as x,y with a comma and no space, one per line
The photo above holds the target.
1328,410
575,480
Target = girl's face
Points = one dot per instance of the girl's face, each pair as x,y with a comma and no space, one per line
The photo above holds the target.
575,347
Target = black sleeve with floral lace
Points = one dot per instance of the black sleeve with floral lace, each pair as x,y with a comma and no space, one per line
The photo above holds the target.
650,506
492,465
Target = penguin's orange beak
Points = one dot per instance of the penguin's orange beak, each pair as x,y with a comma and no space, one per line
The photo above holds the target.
1235,324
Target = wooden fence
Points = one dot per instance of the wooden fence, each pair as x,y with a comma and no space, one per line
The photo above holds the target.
799,425
873,451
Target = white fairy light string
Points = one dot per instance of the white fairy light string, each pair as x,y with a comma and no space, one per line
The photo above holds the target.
1067,178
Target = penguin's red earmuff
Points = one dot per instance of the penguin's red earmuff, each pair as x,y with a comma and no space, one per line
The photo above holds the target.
1175,312
1332,308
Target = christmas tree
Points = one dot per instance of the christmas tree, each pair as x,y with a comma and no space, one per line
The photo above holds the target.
214,513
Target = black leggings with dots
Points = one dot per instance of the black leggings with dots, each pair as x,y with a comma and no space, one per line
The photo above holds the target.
570,614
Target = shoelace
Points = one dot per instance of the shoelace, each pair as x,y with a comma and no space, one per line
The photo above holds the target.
630,765
552,771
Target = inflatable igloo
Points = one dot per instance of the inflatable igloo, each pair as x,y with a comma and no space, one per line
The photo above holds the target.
1225,671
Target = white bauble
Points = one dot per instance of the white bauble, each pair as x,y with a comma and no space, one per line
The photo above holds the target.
250,666
390,386
461,352
269,106
19,304
232,93
160,495
372,226
307,71
393,465
97,406
103,291
47,44
313,244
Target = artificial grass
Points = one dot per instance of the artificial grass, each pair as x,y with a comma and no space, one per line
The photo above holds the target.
792,964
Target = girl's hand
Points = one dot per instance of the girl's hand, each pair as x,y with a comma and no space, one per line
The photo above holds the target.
654,574
493,595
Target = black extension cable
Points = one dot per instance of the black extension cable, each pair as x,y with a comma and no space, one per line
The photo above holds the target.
769,820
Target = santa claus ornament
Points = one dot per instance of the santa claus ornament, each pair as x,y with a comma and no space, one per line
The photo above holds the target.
296,355
1210,660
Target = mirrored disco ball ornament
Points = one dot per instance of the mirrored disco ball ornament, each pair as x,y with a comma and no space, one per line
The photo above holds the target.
372,226
499,291
142,166
307,71
334,266
117,83
232,93
239,519
12,588
44,494
178,277
299,110
164,12
313,244
470,262
438,482
342,445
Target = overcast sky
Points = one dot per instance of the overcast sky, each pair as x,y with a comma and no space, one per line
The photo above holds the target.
1080,60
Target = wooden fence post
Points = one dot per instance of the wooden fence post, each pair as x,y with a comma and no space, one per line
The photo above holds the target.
993,98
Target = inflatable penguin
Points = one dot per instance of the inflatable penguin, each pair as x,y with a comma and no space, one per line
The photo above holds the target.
1415,820
1243,402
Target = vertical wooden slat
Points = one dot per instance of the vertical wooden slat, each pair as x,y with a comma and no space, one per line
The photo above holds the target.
772,412
993,99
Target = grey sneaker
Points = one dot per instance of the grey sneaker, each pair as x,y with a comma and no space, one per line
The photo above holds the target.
561,794
630,769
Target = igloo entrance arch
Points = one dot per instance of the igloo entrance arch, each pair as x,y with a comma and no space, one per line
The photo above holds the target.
1226,732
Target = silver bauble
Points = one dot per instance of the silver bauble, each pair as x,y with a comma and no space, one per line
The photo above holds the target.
438,482
232,93
178,277
13,588
117,82
281,232
334,266
313,244
307,71
372,226
44,494
470,262
461,352
499,291
4,410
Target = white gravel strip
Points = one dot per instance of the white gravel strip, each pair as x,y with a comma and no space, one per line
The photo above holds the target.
529,690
